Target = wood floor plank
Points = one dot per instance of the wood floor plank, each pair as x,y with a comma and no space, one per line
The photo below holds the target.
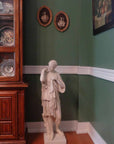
72,138
85,139
36,138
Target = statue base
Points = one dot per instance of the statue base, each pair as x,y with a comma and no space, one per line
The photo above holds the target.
57,139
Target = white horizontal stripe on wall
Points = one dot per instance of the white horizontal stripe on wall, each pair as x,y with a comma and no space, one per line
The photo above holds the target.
107,74
60,69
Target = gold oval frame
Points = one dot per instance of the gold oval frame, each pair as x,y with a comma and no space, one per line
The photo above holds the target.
38,16
67,24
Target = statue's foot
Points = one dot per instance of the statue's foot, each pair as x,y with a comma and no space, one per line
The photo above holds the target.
60,132
44,125
47,135
51,136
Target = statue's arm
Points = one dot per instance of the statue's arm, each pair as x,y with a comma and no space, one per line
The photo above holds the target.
61,84
43,75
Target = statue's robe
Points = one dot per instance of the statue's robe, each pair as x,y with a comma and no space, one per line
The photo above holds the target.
52,84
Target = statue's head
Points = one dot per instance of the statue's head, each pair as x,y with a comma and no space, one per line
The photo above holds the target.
52,65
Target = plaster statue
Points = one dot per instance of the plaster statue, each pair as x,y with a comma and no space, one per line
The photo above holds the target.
52,84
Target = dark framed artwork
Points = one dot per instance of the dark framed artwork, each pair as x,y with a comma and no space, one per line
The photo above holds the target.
61,21
44,16
103,15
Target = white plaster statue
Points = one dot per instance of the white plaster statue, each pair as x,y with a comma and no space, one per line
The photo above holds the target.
52,84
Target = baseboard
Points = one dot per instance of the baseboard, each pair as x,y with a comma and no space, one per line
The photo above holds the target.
97,139
35,127
86,127
38,127
78,127
83,127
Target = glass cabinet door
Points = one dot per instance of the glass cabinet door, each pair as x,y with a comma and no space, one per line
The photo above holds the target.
7,25
7,64
9,40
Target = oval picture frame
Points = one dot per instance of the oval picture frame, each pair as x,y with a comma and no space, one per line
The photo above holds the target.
44,16
61,21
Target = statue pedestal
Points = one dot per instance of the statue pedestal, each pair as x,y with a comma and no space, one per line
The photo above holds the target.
57,139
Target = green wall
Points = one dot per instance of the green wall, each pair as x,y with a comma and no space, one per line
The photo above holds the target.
97,51
96,96
43,44
86,98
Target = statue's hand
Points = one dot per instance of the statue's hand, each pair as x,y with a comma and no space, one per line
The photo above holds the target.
45,70
60,83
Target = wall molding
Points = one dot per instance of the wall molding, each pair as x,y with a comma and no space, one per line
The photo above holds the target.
61,69
78,127
106,74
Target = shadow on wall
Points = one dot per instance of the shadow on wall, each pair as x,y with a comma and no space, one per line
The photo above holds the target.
33,107
69,100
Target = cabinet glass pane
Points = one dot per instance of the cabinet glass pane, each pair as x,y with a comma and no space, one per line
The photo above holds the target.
6,6
7,64
7,37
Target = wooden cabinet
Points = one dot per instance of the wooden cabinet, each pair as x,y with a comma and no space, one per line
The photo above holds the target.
8,114
12,87
12,127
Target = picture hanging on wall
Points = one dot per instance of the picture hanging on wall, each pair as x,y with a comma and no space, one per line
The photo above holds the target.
61,21
103,15
44,16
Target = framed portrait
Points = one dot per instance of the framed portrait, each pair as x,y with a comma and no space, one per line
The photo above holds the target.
103,15
61,21
44,16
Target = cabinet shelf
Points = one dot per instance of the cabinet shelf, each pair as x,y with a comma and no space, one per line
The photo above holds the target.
6,17
7,49
5,14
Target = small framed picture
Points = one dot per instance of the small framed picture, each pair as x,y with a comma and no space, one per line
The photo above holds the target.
103,15
61,21
44,16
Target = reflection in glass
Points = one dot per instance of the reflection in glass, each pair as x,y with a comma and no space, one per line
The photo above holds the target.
6,23
7,64
6,6
6,36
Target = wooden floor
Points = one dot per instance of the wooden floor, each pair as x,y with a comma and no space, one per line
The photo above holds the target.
72,138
